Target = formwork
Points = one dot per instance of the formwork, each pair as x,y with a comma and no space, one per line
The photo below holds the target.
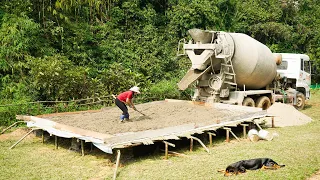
156,121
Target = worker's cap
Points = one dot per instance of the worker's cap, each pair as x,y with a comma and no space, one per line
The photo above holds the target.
135,89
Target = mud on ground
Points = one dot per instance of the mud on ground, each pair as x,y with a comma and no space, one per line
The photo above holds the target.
159,114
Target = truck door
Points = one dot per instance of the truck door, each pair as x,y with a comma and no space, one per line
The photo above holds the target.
305,73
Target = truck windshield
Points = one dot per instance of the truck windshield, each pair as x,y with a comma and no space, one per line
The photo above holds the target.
283,65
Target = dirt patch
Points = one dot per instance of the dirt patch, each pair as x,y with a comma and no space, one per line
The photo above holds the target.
159,114
316,176
287,115
16,134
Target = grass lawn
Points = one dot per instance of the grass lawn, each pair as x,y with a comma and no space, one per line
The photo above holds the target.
297,147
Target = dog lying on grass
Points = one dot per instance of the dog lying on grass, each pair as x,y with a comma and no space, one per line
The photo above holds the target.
251,164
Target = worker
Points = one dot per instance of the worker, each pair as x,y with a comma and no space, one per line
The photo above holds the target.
124,99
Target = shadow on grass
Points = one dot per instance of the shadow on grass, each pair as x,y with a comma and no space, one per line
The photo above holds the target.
307,106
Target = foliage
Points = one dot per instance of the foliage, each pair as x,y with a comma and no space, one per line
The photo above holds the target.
165,90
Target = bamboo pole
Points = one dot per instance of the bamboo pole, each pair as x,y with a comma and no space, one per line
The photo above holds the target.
244,130
167,148
197,139
10,126
227,134
42,135
56,141
210,137
272,122
117,164
82,147
21,139
166,151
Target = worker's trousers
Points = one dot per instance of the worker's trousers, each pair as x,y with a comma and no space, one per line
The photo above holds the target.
122,106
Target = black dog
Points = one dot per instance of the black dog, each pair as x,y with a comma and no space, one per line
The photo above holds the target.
251,164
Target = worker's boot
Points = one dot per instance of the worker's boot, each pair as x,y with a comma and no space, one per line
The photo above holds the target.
122,117
126,117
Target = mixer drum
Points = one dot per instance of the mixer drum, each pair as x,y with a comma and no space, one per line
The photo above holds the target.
253,62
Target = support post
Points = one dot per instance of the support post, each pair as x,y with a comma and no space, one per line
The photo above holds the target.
244,130
117,164
166,151
227,134
42,136
210,137
234,135
56,141
258,125
228,130
272,122
21,139
38,112
166,148
204,146
82,147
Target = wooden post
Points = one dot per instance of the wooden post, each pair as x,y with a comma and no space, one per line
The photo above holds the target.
234,135
272,122
210,137
228,130
166,151
191,137
82,147
117,165
166,148
38,107
42,135
244,130
258,125
88,104
56,141
21,139
227,134
191,144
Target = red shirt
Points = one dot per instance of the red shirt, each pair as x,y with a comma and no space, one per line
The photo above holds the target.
123,96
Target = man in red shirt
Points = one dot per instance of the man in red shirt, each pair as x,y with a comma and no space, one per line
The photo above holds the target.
126,98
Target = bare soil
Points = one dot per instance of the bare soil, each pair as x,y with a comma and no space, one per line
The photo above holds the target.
159,114
16,134
315,176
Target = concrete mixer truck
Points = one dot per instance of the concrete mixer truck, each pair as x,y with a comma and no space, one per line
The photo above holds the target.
234,68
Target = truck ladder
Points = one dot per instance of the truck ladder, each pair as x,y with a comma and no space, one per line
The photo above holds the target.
227,70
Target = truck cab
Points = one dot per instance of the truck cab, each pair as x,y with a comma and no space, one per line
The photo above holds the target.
296,69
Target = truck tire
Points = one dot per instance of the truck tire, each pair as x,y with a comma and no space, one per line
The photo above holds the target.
263,102
301,101
248,102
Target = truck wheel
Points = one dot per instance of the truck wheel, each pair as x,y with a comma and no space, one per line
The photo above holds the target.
301,100
248,102
263,102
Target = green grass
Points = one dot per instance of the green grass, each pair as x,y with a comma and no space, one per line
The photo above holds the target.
297,147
